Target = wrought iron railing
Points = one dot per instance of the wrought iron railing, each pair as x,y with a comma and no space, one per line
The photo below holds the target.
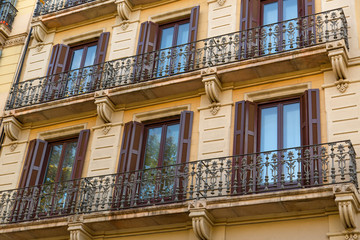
269,39
301,167
50,6
7,13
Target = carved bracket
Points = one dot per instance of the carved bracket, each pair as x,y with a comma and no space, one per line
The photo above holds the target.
339,58
348,203
105,108
39,31
124,9
4,34
12,128
77,229
202,221
212,88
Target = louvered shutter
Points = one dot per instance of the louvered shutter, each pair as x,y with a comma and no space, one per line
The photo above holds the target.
194,22
124,151
80,154
249,14
186,121
35,162
310,117
142,38
102,48
309,7
151,38
245,128
53,57
61,58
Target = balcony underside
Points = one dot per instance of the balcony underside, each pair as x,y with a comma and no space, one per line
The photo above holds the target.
289,203
255,70
87,11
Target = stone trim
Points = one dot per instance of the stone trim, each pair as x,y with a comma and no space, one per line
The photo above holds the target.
61,132
160,113
83,36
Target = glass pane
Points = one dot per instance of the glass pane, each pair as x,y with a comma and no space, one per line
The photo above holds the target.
76,59
68,163
152,147
290,9
167,37
53,164
291,125
270,14
183,34
90,56
268,138
171,144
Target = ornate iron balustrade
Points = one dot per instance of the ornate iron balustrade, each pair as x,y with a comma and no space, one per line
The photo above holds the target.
7,13
265,40
285,169
50,6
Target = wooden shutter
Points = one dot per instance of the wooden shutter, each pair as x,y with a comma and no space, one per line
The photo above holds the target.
135,146
34,164
193,26
53,57
142,38
102,48
245,128
309,7
310,117
81,148
130,152
249,14
186,121
61,58
124,151
151,38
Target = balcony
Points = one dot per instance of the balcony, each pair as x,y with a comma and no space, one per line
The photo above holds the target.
297,45
227,179
7,15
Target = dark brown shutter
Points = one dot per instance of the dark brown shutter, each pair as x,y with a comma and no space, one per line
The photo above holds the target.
134,155
81,148
61,58
54,53
142,38
249,14
301,9
151,38
309,7
124,151
186,121
310,117
102,48
34,164
245,128
193,26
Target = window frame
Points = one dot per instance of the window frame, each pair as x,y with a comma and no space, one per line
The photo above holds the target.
176,31
280,102
164,123
64,142
82,45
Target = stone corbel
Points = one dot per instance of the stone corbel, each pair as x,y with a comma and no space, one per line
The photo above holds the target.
202,221
105,108
39,31
348,203
124,9
77,229
212,88
12,128
339,58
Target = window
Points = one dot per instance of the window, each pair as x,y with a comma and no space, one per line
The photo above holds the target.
151,63
81,62
148,154
46,175
80,58
268,128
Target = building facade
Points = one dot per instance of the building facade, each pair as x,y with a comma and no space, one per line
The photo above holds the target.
147,119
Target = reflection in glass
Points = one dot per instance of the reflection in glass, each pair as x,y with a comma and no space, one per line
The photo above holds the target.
171,145
269,129
68,163
53,164
152,148
290,11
